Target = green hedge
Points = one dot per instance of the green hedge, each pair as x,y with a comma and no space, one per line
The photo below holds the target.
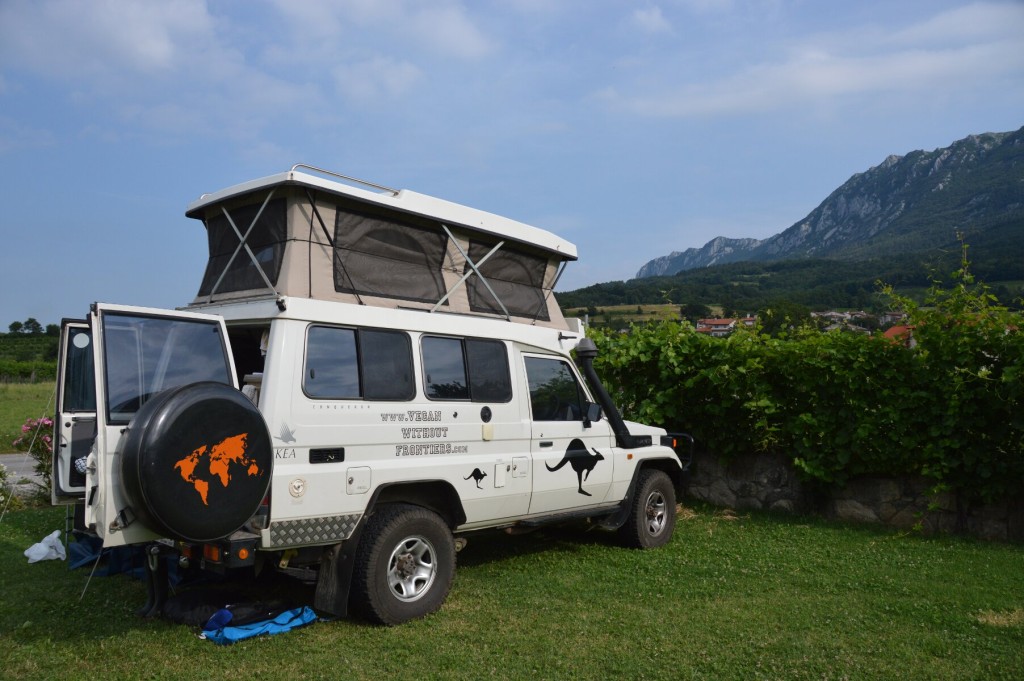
843,405
13,371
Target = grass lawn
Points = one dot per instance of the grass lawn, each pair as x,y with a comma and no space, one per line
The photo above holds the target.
19,401
731,597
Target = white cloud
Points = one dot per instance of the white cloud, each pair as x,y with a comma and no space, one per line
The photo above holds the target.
707,6
71,39
380,77
651,20
167,67
980,21
447,30
920,59
16,135
439,28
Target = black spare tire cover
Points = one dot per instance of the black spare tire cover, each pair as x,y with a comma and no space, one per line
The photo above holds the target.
197,461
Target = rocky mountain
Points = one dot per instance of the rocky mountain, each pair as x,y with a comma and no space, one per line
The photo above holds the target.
906,204
718,251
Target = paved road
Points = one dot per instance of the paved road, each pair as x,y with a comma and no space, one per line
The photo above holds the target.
19,466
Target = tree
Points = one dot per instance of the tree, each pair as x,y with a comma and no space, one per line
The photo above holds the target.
52,330
15,327
782,316
32,327
694,311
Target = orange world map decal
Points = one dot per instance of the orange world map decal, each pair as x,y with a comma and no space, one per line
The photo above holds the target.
228,451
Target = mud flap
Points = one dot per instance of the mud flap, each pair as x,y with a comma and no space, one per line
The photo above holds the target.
334,578
156,582
618,518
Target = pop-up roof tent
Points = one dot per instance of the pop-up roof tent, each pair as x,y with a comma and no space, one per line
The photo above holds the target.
297,234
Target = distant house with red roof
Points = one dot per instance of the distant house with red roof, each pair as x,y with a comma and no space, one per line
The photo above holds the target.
902,334
716,327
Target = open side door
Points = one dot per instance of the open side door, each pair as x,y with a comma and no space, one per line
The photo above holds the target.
137,354
75,417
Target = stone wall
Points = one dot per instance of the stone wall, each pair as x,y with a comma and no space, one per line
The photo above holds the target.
769,483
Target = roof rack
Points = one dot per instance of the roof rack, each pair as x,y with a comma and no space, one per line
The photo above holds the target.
356,180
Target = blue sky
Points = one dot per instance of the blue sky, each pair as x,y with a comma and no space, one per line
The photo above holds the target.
631,129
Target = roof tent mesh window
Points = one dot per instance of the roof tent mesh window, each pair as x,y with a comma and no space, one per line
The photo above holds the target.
379,256
266,240
516,277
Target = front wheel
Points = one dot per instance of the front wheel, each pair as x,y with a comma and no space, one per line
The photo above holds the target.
652,517
404,565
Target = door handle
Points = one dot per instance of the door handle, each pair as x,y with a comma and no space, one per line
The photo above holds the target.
547,443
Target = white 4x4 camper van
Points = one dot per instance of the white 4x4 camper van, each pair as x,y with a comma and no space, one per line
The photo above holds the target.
364,376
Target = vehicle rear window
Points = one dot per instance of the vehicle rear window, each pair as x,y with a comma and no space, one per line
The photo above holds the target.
147,355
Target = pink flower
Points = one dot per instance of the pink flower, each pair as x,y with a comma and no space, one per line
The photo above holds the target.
25,428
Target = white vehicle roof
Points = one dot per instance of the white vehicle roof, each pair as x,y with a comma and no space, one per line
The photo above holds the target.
400,199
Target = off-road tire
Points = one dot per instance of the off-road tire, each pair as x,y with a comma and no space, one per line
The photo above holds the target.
652,516
404,565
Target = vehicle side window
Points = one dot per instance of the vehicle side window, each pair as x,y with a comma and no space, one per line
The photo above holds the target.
385,361
444,369
489,379
554,393
332,367
466,368
79,390
345,364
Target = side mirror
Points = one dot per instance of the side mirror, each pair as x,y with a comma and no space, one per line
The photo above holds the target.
594,413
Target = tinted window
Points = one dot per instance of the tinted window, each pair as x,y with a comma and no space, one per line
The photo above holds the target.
79,390
386,364
445,369
145,355
354,363
460,369
554,393
332,368
489,379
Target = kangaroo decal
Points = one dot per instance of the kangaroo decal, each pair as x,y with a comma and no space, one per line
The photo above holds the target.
477,475
581,461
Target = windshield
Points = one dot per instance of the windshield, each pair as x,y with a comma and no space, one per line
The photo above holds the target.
146,355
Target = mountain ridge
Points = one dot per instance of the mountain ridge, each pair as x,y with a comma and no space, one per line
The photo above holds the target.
907,203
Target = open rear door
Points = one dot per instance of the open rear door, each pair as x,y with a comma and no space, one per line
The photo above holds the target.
75,418
137,354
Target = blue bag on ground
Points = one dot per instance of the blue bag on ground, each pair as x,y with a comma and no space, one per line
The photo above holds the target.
219,629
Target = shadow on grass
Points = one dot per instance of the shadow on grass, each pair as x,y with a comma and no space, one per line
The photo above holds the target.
493,546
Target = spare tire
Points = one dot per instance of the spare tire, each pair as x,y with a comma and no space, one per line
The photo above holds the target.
197,462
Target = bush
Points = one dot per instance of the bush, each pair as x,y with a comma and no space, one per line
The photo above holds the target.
842,405
8,500
37,440
33,371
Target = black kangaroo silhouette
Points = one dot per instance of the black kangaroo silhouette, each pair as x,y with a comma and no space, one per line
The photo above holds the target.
477,475
581,461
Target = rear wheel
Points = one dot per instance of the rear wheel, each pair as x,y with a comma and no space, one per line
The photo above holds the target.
652,517
404,565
